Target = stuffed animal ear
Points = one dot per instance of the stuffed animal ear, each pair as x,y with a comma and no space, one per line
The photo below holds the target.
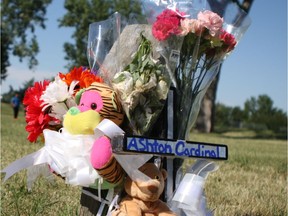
116,102
164,173
79,95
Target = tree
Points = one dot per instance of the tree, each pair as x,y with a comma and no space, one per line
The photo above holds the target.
81,13
205,121
223,117
19,20
261,111
257,108
238,116
228,117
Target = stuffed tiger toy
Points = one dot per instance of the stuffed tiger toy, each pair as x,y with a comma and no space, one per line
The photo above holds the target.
96,103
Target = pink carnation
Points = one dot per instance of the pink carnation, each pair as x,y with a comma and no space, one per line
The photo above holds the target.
212,21
167,23
191,25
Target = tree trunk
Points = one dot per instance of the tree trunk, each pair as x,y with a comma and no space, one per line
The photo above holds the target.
204,122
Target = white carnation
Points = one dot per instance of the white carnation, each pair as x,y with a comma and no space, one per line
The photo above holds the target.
55,92
59,96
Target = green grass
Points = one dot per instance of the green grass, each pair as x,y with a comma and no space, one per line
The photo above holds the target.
45,198
253,181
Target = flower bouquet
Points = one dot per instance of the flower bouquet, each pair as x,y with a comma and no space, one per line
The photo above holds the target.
207,40
138,67
140,62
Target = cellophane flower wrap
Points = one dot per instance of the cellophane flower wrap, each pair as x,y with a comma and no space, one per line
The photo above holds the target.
208,38
137,66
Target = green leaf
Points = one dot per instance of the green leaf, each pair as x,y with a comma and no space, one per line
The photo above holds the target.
119,78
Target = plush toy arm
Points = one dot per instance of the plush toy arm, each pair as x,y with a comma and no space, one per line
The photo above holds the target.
118,213
128,208
164,210
103,161
101,152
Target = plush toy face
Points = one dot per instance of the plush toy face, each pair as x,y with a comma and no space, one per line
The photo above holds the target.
149,190
91,100
96,103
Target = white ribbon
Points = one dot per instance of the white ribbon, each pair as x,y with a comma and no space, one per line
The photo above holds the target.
189,196
108,128
131,164
68,155
114,204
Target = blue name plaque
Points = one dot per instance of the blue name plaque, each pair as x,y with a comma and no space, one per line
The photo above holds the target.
174,148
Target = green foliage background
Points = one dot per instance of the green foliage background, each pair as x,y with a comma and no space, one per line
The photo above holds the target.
258,115
19,20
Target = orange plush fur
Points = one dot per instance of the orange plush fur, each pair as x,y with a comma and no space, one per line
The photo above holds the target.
142,198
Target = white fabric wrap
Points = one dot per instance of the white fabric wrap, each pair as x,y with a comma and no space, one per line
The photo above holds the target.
66,154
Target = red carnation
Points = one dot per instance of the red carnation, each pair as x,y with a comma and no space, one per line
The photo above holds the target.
36,119
167,23
229,41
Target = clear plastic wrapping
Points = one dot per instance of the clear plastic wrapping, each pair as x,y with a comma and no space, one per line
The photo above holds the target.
210,32
138,66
